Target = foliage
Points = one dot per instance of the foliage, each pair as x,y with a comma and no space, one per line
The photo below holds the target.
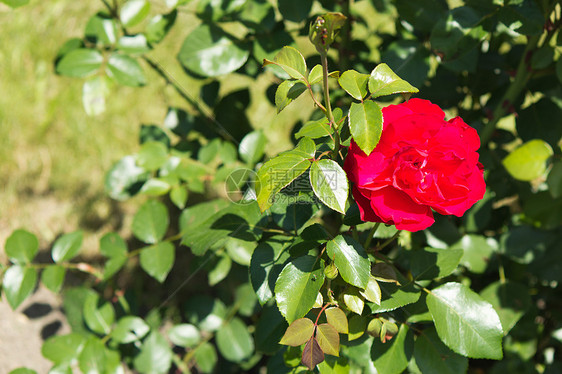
295,280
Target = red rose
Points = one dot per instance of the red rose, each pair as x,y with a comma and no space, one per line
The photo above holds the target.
422,162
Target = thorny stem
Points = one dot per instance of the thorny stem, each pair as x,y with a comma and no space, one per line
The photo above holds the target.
329,114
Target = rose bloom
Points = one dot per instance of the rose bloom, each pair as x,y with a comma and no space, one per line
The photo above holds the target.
421,162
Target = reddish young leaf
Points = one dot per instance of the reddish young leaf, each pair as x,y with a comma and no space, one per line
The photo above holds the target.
312,354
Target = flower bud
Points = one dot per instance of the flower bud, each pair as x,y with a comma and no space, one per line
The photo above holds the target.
331,271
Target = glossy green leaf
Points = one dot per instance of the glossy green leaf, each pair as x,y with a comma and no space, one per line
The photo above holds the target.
408,58
288,91
112,245
432,356
528,161
125,70
292,61
312,354
392,357
329,183
295,10
129,329
510,300
541,120
150,223
357,326
353,301
395,296
18,284
372,291
79,63
328,339
297,286
125,178
431,263
465,322
99,315
315,129
219,10
350,259
252,147
96,358
524,17
67,246
21,247
298,332
220,271
383,81
184,335
159,26
208,51
206,357
365,124
282,170
133,12
133,44
206,313
101,29
337,318
63,349
53,277
234,341
158,259
267,262
354,83
155,355
94,93
477,251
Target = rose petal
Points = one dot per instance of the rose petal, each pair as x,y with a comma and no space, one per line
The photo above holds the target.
393,112
425,107
396,206
366,212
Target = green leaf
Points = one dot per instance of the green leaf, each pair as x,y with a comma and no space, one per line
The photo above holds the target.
125,178
23,371
554,180
315,129
157,260
125,70
98,314
206,313
431,263
219,10
365,124
18,284
383,81
312,354
328,339
354,83
101,29
179,195
159,26
524,16
267,262
21,247
79,63
133,12
477,251
409,58
395,296
184,335
94,92
350,259
15,3
63,349
208,51
234,341
221,270
329,183
155,355
129,329
206,357
252,147
112,245
357,326
298,332
282,170
295,10
336,317
297,286
510,300
53,277
67,246
334,365
392,357
353,301
465,322
528,161
286,92
133,44
150,223
432,356
372,291
95,358
290,60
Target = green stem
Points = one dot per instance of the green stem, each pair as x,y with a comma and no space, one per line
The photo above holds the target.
329,114
371,235
390,240
513,91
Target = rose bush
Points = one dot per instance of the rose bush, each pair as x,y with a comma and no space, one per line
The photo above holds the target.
422,162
